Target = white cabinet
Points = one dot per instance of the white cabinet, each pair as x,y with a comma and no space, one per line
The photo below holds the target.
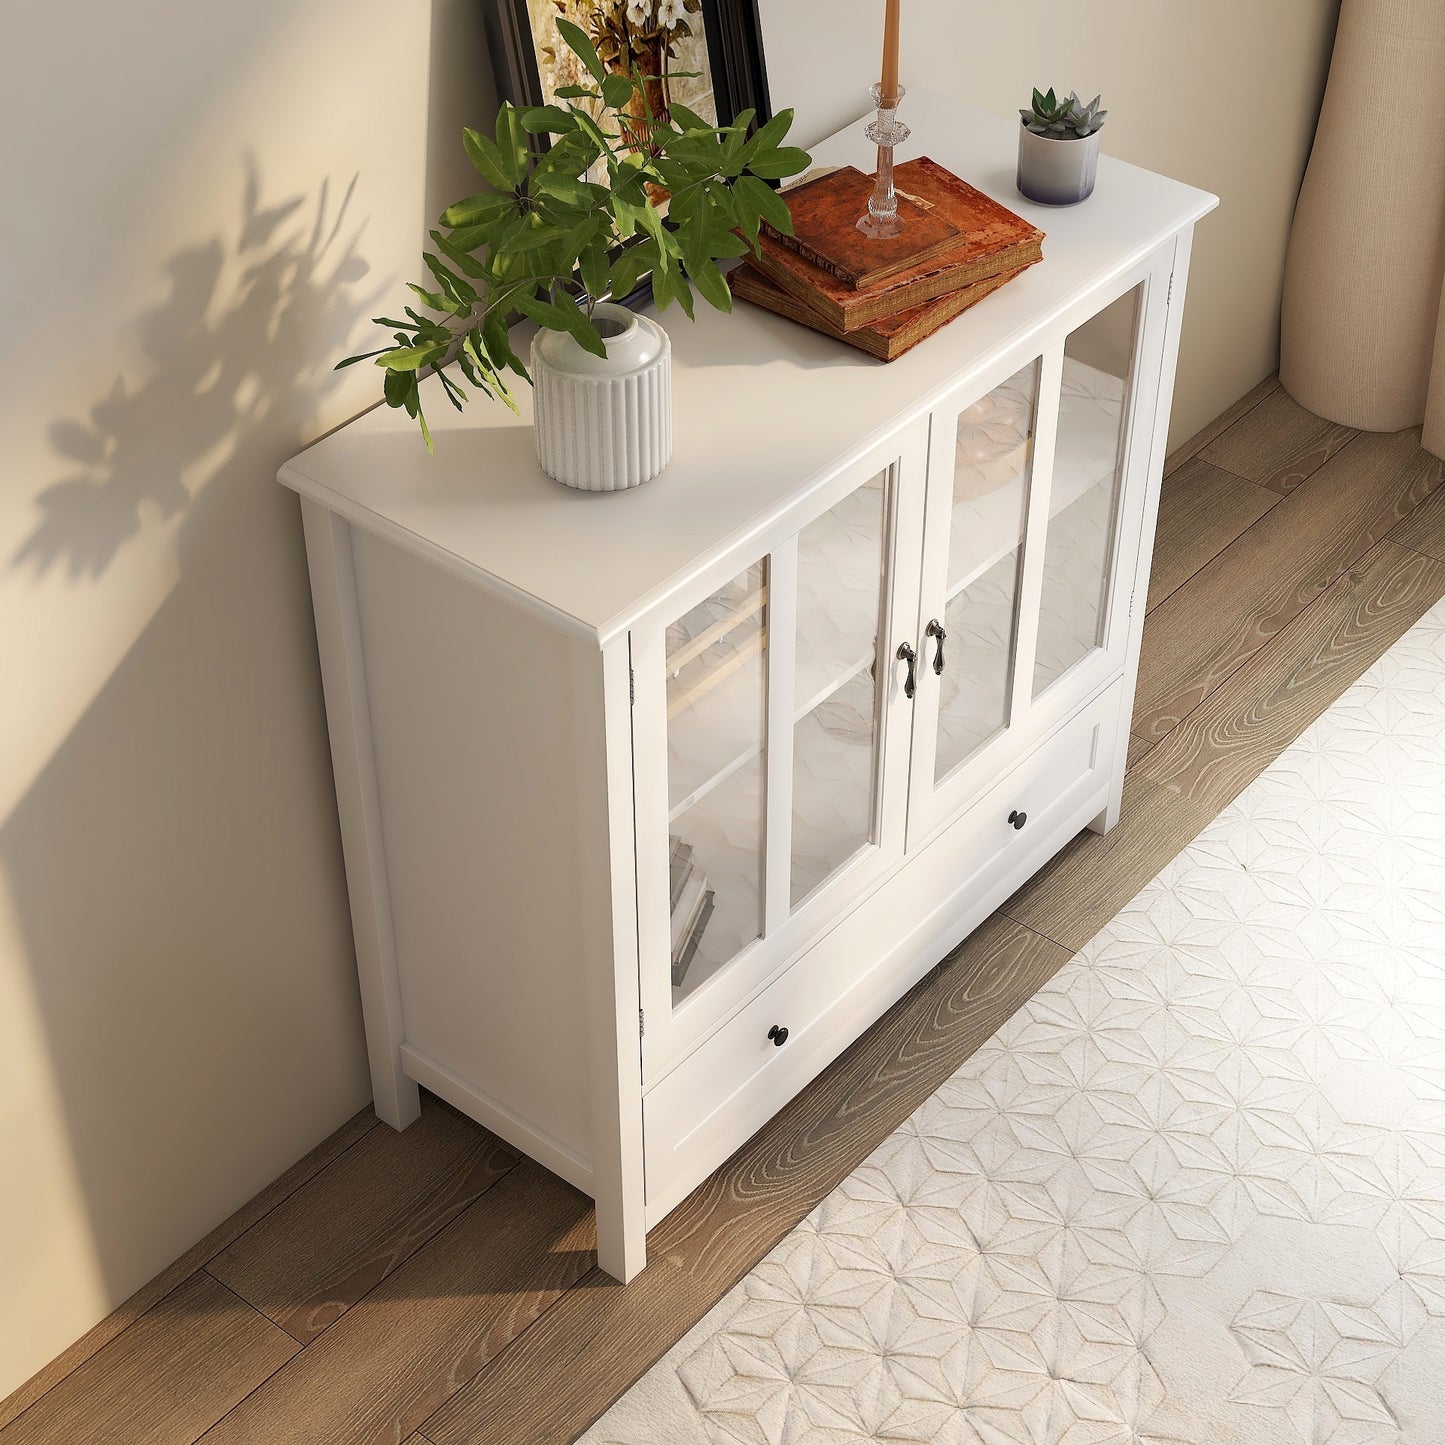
651,803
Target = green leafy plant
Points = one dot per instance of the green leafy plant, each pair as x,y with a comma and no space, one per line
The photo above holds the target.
1067,119
522,245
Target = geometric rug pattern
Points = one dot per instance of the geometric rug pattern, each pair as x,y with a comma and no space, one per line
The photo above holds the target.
1193,1193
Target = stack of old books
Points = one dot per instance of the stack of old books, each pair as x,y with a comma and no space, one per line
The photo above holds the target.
884,296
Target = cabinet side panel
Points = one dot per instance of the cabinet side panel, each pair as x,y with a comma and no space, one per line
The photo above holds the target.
472,720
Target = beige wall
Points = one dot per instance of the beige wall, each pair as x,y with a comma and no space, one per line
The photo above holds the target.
1223,95
201,202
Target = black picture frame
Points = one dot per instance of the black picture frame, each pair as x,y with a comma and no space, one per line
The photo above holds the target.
734,45
735,56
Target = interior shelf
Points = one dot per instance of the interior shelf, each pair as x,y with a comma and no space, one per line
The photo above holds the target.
839,581
834,681
986,528
831,813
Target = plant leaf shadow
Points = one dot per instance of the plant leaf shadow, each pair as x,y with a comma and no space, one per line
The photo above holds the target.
216,368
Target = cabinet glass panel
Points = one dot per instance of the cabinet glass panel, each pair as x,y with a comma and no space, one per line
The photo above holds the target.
1088,465
716,664
993,463
835,702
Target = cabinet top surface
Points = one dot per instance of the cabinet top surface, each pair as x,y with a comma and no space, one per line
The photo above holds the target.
764,409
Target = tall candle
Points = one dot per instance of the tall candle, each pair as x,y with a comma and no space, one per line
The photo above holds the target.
889,83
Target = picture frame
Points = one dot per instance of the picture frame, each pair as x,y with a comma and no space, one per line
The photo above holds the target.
729,41
731,46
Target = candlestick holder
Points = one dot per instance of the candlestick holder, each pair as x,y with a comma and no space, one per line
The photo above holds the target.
886,131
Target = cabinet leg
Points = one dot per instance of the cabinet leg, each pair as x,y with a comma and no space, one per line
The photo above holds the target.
1102,822
621,1239
396,1098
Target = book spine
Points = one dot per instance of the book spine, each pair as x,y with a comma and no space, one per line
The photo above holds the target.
808,254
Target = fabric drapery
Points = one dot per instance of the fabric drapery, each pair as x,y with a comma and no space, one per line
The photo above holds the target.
1363,326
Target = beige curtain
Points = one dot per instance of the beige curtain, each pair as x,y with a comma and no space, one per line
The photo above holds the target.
1363,329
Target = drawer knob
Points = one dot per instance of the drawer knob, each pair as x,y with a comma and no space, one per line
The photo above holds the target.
779,1035
1018,819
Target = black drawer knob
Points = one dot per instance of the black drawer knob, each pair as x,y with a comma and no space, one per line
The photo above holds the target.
779,1035
1018,819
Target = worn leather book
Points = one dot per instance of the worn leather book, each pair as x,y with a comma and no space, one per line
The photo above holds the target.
825,230
887,338
993,240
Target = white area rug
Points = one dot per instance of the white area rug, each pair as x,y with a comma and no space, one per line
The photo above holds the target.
1193,1193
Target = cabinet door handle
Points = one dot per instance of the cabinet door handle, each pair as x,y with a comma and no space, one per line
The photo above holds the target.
935,631
1018,819
779,1035
907,654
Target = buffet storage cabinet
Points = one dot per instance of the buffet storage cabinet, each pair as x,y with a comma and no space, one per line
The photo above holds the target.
652,802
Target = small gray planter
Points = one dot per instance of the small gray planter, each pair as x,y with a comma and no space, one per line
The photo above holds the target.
1057,172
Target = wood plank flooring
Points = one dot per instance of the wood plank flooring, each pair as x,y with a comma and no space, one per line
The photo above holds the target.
1202,509
1234,606
321,1251
184,1363
150,1294
404,1349
1282,447
430,1288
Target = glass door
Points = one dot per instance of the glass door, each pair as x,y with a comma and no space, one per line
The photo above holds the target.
715,665
771,740
1025,522
1088,472
990,473
985,454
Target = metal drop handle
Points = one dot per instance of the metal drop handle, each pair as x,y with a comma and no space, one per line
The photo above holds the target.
906,654
935,631
779,1035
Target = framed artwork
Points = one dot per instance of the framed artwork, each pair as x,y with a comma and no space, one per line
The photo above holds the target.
720,40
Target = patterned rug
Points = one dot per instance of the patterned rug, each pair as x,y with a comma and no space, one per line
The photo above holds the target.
1192,1194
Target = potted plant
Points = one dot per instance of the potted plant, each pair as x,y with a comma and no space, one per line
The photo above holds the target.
1059,148
561,232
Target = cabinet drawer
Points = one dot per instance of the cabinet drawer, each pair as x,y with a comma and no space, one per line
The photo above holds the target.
1006,823
697,1114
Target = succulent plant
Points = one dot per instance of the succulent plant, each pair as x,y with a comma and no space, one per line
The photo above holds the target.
1067,119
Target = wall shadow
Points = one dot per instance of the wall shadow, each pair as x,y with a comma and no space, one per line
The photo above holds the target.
212,377
176,866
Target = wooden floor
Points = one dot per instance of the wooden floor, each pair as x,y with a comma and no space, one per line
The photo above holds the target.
431,1288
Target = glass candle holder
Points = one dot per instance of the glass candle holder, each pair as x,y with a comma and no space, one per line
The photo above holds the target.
885,130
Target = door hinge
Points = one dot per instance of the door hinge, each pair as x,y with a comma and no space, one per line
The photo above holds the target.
631,685
1169,295
641,1023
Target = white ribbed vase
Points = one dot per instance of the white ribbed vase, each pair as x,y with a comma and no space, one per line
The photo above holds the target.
604,425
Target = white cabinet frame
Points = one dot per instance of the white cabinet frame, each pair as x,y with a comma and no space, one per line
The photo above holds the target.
492,652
